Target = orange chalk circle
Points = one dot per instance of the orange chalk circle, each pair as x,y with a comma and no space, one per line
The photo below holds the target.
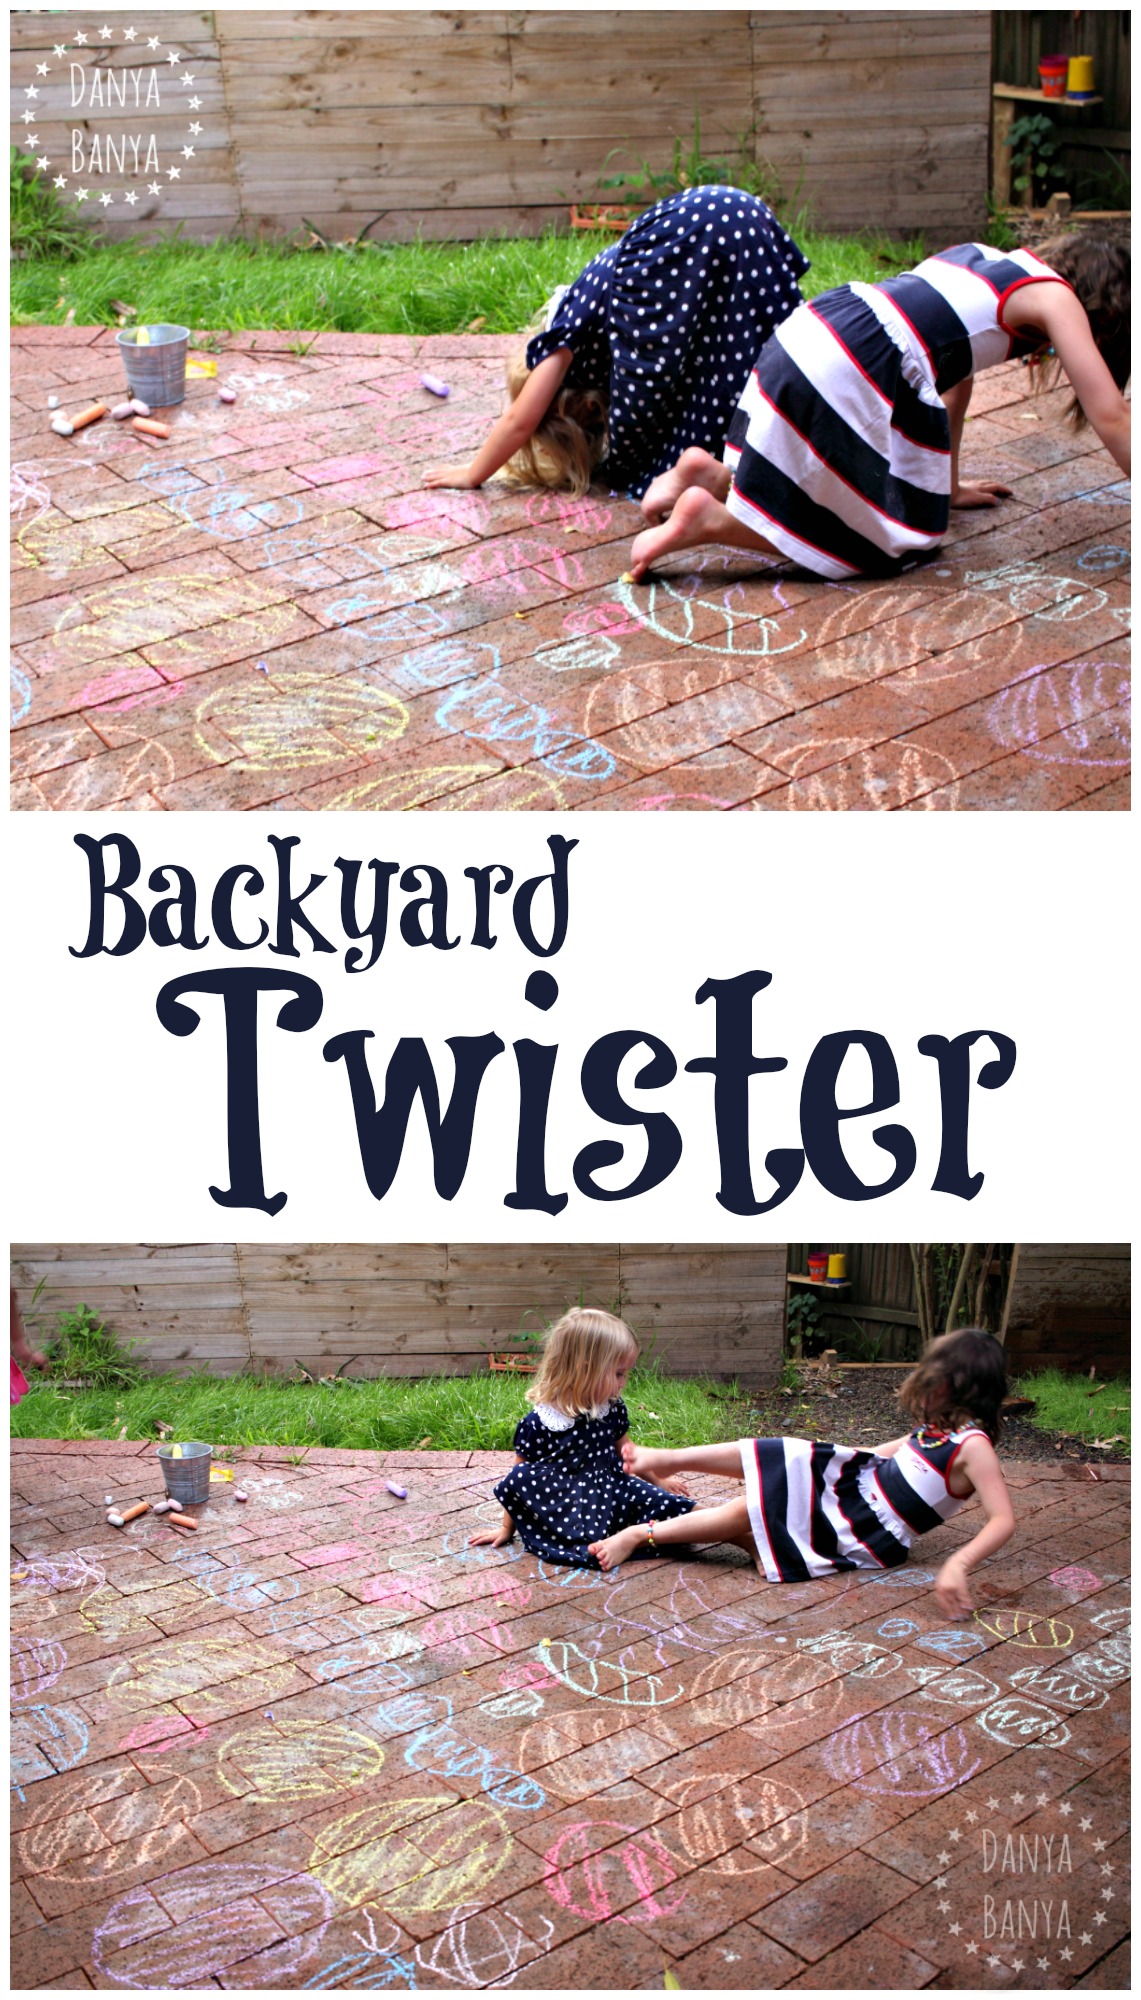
414,1855
1027,1628
297,1760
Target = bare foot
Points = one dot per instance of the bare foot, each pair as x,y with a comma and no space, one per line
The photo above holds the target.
694,468
697,518
614,1549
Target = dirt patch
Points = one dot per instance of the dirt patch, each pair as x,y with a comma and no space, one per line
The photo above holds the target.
858,1407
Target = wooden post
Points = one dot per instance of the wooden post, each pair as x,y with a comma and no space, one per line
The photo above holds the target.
1001,121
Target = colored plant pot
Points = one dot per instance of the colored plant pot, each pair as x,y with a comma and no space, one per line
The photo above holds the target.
510,1364
818,1266
1052,74
606,215
1079,77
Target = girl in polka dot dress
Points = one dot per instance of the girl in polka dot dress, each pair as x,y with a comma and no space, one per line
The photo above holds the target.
567,1487
649,350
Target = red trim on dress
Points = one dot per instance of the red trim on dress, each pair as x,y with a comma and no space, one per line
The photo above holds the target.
895,520
793,536
820,321
1032,278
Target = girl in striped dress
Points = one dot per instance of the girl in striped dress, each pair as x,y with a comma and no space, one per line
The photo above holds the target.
843,453
811,1508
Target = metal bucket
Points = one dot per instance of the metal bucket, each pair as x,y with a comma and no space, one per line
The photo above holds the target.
188,1477
156,373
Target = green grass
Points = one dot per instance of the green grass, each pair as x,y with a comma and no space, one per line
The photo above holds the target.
456,1413
1065,1404
415,288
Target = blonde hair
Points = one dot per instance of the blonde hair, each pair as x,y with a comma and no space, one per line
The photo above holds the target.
578,1353
564,449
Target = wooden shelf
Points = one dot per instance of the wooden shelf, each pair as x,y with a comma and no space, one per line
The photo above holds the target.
1005,96
820,1284
1023,94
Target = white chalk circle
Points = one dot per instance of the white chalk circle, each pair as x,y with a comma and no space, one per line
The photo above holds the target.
217,1922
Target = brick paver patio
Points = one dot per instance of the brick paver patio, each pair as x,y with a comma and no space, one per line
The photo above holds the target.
323,1743
270,610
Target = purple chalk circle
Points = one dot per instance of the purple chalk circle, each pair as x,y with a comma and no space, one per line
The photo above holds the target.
397,1492
434,386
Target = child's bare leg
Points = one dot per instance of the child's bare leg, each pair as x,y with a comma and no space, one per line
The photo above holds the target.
698,517
694,468
646,1463
728,1523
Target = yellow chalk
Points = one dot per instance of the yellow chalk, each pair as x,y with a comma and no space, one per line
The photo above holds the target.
142,337
176,1451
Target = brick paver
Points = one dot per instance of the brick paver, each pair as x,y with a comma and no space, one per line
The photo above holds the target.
270,609
322,1742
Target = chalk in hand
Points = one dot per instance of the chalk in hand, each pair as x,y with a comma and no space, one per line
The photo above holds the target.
434,386
397,1492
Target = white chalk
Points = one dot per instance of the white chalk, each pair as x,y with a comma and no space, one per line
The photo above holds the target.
122,410
62,426
139,408
434,385
53,402
239,1495
227,395
115,1520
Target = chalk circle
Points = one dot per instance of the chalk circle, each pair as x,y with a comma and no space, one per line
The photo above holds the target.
886,776
963,1688
212,1670
35,1665
409,791
138,611
414,1855
92,1830
1085,699
1076,1579
712,1832
1014,1720
61,1734
290,726
668,611
485,1949
297,1760
591,1869
896,1755
1027,1628
49,1576
217,1922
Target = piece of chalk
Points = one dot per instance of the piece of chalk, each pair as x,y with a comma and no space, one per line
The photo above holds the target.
182,1520
140,408
89,415
176,1451
627,576
62,426
397,1492
132,1513
114,1520
53,402
108,1499
434,385
143,337
239,1495
122,410
227,395
163,1506
150,427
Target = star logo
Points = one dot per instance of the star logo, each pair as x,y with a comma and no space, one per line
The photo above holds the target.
1086,1937
972,1818
188,152
1043,1799
154,187
81,194
944,1859
105,34
1065,1808
195,104
81,38
992,1805
1085,1825
1016,1798
41,69
1099,1917
955,1834
1067,1953
194,129
152,42
129,34
43,163
108,200
173,56
60,49
952,1929
60,181
30,90
174,173
1099,1847
972,1949
131,199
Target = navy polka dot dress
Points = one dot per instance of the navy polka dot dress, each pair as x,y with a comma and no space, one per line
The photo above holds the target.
670,320
572,1490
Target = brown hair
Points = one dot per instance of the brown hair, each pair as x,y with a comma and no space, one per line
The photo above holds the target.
960,1380
578,1353
1098,270
570,441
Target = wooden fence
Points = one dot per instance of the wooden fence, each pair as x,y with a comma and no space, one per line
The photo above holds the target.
459,124
1070,1307
413,1309
1097,138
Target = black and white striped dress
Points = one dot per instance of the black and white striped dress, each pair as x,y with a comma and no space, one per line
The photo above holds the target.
814,1508
840,446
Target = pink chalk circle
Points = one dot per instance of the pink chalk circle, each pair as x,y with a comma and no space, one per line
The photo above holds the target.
1076,1579
583,1872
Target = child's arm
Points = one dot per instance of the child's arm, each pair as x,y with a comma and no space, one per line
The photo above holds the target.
889,1450
496,1538
1054,310
978,1461
980,492
515,426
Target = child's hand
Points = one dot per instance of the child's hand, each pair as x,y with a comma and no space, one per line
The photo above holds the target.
491,1538
952,1593
450,475
674,1484
979,493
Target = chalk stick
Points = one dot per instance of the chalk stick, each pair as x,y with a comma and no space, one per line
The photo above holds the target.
140,408
108,1499
227,395
182,1520
89,416
150,427
434,385
122,410
53,402
239,1495
132,1513
62,426
397,1492
114,1520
